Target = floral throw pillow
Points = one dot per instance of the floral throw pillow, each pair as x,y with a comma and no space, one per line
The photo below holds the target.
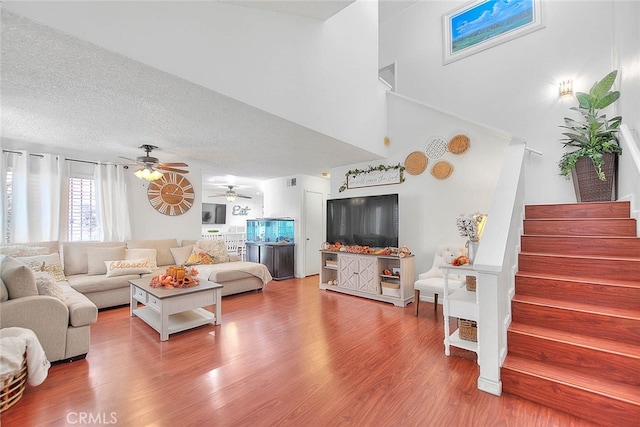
208,252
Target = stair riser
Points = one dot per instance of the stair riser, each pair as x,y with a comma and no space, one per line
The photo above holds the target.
588,361
579,210
581,227
590,246
581,403
596,268
623,297
579,322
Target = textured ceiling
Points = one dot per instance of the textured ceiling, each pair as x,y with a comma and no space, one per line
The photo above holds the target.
64,95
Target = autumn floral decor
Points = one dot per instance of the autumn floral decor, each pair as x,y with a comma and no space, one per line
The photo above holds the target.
356,172
176,277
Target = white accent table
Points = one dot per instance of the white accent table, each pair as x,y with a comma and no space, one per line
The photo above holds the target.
174,310
461,304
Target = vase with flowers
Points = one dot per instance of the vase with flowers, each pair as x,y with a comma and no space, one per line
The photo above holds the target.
471,226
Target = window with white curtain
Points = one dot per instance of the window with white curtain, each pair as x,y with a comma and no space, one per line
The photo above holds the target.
8,203
83,222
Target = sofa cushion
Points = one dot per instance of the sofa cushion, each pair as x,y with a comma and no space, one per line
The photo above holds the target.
181,254
4,293
82,311
86,284
74,255
162,247
49,263
96,258
150,254
18,278
128,266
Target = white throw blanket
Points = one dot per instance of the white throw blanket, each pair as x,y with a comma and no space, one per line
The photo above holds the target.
13,343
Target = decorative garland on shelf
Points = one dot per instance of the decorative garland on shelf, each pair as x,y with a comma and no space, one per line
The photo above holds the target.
381,168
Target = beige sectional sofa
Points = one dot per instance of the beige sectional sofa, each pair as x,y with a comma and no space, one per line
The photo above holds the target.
62,325
84,270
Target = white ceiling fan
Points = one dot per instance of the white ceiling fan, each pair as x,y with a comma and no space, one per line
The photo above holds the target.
150,167
231,195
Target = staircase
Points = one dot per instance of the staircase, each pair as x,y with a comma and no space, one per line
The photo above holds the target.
574,340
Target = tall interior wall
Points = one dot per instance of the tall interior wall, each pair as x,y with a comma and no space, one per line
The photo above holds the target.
514,86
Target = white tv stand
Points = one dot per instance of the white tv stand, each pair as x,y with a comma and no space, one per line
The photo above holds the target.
361,275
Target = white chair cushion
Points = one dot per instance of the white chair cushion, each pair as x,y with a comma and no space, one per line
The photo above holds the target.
435,285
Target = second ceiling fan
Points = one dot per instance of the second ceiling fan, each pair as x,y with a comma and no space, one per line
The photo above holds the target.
230,194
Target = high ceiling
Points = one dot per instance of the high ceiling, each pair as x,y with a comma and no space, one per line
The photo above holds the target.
51,103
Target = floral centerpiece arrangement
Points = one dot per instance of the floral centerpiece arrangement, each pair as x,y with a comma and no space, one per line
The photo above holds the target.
471,226
176,277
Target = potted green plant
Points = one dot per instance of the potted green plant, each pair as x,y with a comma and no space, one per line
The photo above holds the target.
593,165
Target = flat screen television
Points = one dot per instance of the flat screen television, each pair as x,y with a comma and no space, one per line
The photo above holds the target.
214,213
366,221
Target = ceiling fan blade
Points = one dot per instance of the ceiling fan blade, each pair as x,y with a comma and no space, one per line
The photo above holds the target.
131,160
243,196
217,195
179,164
168,169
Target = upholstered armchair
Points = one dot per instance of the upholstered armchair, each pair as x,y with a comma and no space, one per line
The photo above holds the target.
432,281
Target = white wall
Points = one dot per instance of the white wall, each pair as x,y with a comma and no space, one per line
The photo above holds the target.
282,200
322,75
428,206
514,86
147,223
253,207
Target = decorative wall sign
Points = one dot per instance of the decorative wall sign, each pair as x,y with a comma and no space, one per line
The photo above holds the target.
375,175
240,211
482,24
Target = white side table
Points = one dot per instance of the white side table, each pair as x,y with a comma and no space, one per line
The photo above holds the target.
461,304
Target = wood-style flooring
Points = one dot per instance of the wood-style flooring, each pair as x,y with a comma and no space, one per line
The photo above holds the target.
289,355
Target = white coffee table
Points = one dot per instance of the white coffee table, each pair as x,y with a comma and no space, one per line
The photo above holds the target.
174,310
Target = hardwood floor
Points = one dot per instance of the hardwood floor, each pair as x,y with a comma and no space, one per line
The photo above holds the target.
290,355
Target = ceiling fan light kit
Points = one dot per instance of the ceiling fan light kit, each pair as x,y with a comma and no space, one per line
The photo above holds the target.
230,194
150,167
149,175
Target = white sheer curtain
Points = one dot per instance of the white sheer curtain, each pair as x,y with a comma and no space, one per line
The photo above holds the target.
37,208
111,202
3,197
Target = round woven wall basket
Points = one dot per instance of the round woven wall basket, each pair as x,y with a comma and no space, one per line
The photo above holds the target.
458,144
416,163
442,169
436,147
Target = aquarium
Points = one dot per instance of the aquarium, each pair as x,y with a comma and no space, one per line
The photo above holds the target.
270,230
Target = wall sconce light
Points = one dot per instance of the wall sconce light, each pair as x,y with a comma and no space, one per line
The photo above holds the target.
566,88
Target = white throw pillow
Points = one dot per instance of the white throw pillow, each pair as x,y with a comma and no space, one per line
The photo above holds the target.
150,254
48,263
129,266
181,254
47,285
96,258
